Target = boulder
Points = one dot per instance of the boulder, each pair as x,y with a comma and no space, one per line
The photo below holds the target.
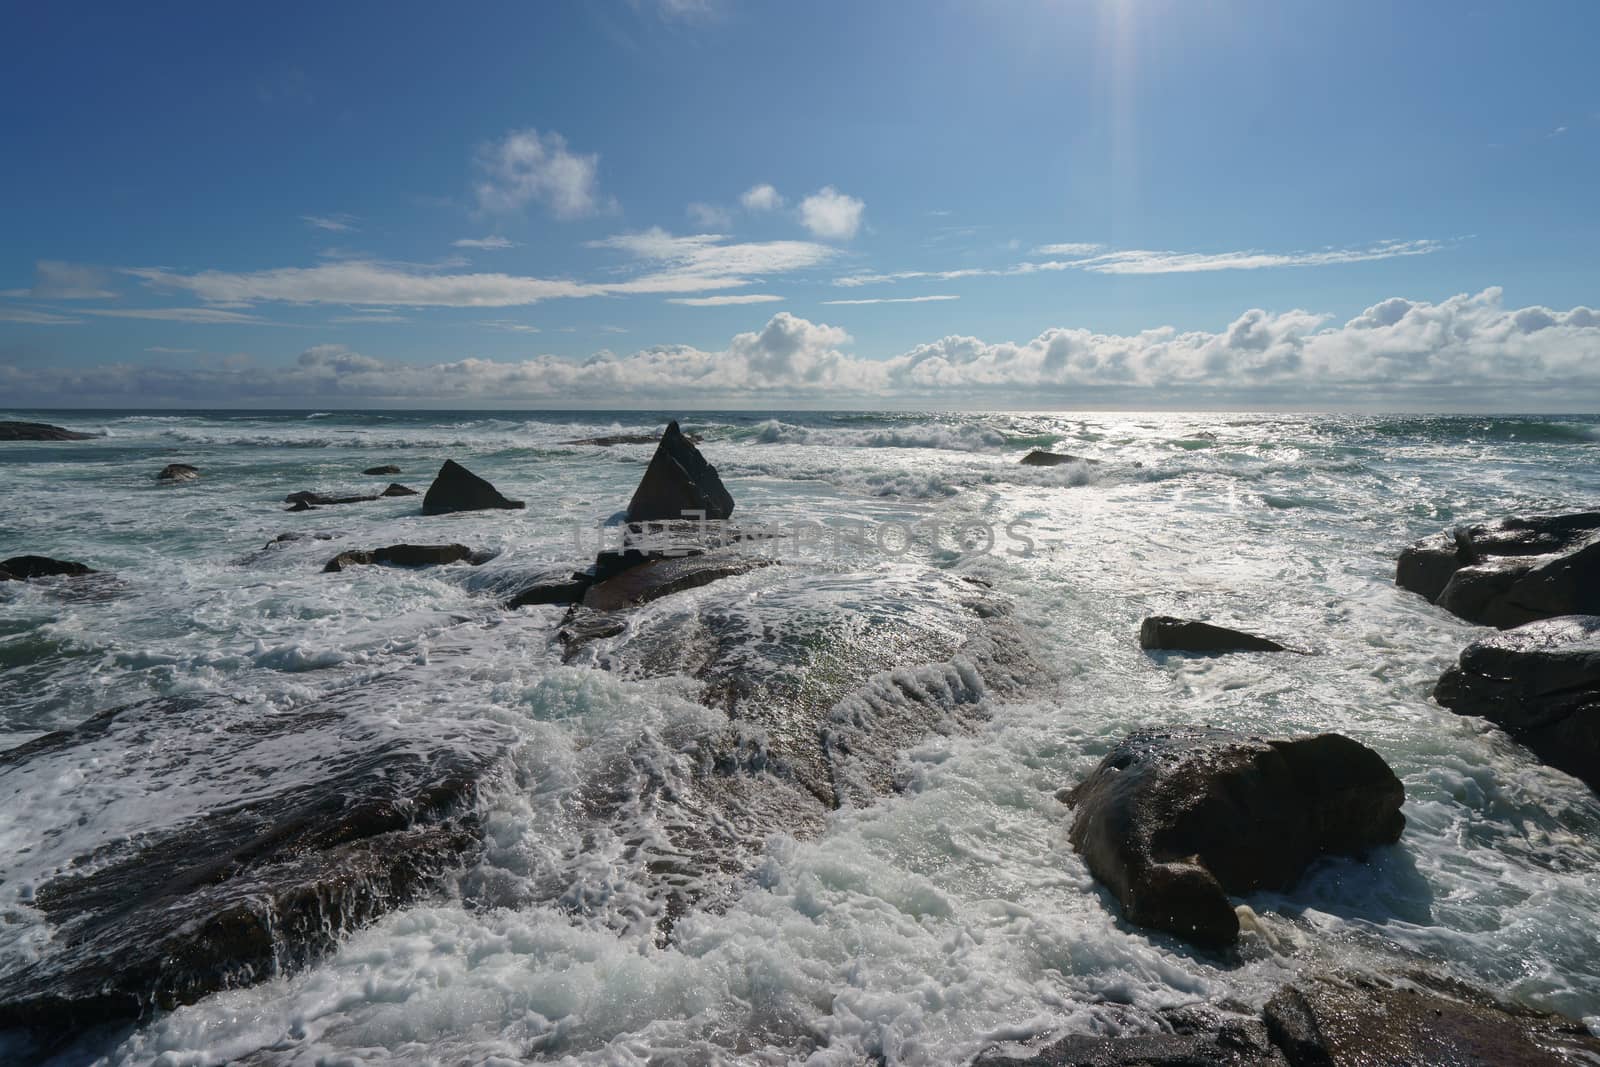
404,556
39,431
679,483
22,568
306,500
1040,458
387,468
1415,1021
458,489
1173,822
1541,684
560,591
178,472
1187,635
1509,572
281,831
396,489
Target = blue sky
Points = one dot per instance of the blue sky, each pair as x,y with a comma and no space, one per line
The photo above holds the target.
814,203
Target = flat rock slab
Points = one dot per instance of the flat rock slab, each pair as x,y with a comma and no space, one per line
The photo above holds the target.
404,556
387,468
1358,1021
1540,683
1040,458
663,577
22,568
1236,1042
40,431
1509,572
1163,632
278,832
1173,822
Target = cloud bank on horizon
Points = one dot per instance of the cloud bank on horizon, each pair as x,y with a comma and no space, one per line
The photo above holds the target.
359,239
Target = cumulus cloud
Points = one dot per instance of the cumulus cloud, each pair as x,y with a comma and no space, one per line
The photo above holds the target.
528,166
761,197
486,243
56,280
1467,349
722,301
830,214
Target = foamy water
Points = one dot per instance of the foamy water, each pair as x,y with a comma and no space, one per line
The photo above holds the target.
919,928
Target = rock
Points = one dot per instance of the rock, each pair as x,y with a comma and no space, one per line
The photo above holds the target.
663,577
1172,822
458,489
281,831
404,556
679,483
306,500
178,472
1416,1021
1186,1039
387,468
568,591
396,489
39,431
1040,458
7,576
1509,572
1541,684
1187,635
22,568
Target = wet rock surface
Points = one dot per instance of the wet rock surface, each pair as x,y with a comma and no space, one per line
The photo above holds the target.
1041,458
1187,635
1188,1038
678,483
457,489
23,568
1173,822
258,862
40,431
396,489
1540,683
1417,1021
178,472
404,556
1509,572
306,500
387,468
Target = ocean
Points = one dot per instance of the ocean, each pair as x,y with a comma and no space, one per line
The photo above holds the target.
929,917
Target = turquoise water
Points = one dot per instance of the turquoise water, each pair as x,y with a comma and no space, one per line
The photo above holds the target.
920,928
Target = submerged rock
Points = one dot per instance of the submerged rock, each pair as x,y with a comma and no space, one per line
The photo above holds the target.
1187,1037
1415,1021
39,431
458,489
557,591
279,832
306,500
178,472
1187,635
396,489
1040,458
1509,572
22,568
679,483
1174,821
387,468
1541,684
405,556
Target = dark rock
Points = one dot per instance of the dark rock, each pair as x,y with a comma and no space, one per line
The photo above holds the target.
1206,1041
1417,1021
7,576
1175,821
1187,635
583,625
387,468
396,489
678,484
38,431
22,568
663,577
569,591
458,489
223,893
1040,458
306,500
178,472
403,556
1541,684
1509,572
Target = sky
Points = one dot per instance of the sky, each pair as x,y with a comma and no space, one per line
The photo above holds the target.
710,203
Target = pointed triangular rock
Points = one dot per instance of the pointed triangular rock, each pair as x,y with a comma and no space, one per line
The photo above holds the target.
458,489
679,480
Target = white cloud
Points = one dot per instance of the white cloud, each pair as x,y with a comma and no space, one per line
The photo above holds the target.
364,282
210,316
894,300
831,215
527,166
1468,349
484,243
35,318
721,301
710,216
509,325
335,223
56,280
706,261
1070,248
761,198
